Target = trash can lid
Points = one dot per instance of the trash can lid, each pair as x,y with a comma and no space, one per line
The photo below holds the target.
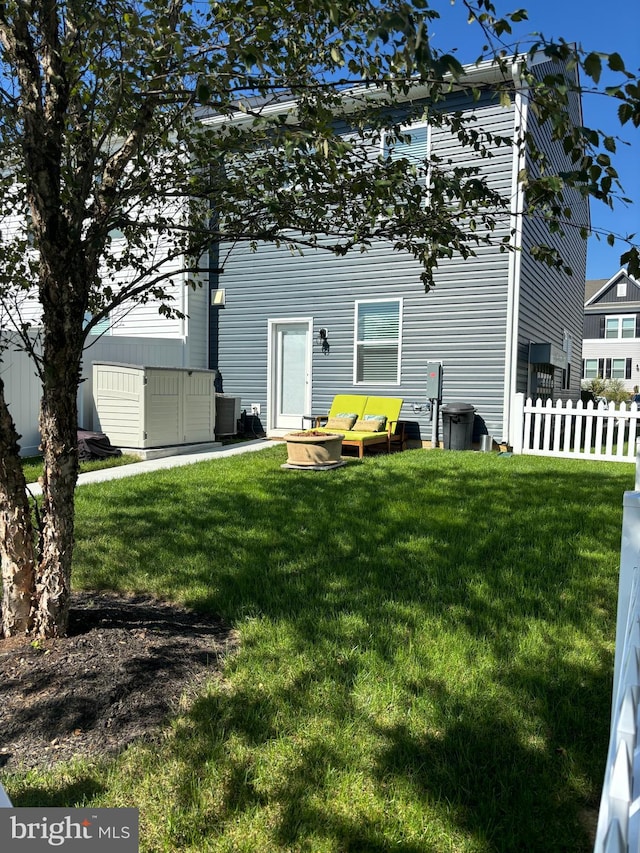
458,408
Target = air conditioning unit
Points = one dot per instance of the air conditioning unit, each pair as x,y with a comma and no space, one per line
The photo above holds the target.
227,415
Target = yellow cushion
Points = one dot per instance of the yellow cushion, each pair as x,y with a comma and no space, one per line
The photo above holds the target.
389,406
352,403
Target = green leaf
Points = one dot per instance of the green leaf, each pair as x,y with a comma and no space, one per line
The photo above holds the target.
593,66
615,62
625,112
203,93
631,260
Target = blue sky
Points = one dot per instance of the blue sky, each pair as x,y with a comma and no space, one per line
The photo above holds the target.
612,26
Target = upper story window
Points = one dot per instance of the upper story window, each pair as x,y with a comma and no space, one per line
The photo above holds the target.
101,328
620,327
413,146
377,346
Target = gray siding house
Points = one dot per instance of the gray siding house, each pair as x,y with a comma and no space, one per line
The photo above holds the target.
288,332
611,345
296,330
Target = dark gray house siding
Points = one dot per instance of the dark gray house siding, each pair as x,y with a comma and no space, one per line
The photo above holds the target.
464,322
551,303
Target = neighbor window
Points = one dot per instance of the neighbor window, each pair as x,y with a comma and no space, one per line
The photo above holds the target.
620,327
591,368
617,368
377,345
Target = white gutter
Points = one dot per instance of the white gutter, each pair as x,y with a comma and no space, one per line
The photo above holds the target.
487,73
515,256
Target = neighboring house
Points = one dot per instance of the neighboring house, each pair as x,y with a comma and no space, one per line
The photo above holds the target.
611,337
288,332
296,330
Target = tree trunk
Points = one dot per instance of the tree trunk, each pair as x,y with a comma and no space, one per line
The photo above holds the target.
58,431
17,549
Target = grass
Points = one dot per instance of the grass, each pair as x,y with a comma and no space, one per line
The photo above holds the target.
425,662
32,465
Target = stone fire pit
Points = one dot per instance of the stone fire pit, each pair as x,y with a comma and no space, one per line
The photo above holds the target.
313,449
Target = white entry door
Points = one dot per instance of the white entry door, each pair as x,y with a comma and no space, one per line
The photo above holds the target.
290,372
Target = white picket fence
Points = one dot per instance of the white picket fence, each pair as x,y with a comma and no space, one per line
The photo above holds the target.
619,818
575,430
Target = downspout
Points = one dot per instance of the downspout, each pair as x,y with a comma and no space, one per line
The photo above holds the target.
184,322
515,256
214,311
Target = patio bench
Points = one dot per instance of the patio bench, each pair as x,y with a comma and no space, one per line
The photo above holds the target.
349,414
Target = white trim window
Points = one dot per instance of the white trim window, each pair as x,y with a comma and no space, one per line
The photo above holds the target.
618,368
377,350
413,146
620,327
591,368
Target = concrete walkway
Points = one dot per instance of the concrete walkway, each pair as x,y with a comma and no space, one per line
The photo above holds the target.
164,463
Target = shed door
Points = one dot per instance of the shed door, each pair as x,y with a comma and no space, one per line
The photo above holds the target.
290,375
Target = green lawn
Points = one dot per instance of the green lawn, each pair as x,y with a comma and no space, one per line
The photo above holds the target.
425,661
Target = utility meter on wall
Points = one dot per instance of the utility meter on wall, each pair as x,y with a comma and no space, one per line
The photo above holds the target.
434,380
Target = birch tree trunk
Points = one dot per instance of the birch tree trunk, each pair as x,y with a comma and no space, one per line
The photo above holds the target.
58,428
17,546
63,293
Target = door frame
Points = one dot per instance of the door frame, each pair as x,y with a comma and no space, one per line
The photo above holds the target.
272,364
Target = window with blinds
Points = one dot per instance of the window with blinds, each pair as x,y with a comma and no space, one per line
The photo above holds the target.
413,147
377,355
101,328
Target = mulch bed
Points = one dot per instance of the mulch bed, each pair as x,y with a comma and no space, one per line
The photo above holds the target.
126,665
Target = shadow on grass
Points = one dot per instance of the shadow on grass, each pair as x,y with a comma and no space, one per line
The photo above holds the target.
334,577
70,794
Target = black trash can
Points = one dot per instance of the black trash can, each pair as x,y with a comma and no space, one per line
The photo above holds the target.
457,425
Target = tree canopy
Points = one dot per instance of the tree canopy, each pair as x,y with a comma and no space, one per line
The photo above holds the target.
135,134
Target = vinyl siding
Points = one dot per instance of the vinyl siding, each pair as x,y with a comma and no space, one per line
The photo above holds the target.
22,392
550,300
610,296
461,322
616,348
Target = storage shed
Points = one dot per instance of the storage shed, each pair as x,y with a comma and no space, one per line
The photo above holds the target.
142,407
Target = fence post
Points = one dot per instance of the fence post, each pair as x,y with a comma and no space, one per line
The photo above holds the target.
629,563
517,423
617,830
